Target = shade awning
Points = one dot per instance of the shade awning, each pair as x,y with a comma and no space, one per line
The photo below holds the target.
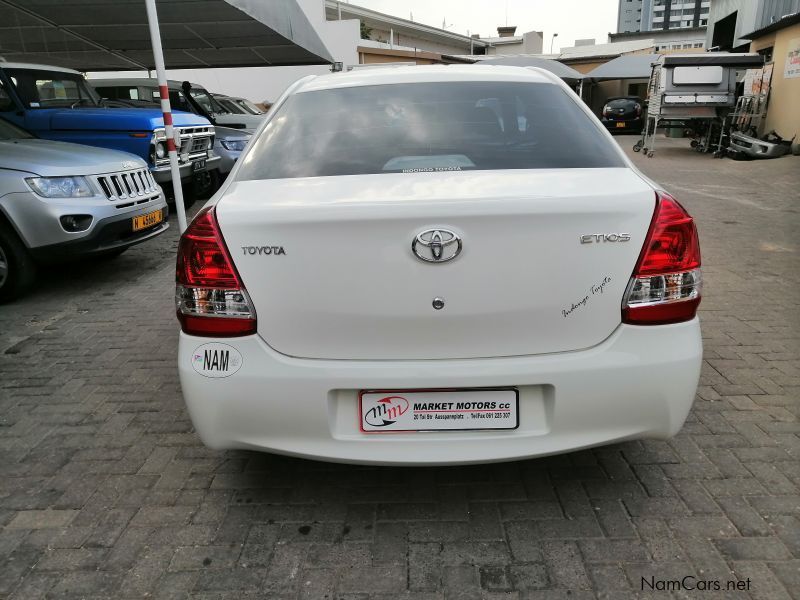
113,35
628,66
558,69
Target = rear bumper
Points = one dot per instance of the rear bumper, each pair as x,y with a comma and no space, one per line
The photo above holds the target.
639,383
635,125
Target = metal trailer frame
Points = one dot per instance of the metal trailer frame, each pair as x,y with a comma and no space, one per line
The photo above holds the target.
696,91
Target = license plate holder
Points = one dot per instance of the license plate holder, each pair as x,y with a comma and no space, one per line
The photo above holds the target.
417,411
146,220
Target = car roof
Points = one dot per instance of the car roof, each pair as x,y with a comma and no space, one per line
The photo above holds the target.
37,67
425,74
148,81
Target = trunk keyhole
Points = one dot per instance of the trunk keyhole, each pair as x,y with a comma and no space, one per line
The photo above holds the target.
438,303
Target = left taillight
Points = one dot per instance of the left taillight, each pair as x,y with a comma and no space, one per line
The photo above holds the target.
210,298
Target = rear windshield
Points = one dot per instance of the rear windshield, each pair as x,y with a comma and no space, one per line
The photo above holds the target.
409,128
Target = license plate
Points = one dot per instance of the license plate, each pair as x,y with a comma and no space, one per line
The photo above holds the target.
620,124
148,220
438,410
198,165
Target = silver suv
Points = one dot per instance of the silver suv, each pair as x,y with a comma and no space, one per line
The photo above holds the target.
61,200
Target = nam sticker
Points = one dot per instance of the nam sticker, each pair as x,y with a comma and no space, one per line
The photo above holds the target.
216,360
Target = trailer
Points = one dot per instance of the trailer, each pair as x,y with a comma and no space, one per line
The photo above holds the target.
695,92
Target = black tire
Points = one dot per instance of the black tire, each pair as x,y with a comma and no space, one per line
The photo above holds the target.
17,268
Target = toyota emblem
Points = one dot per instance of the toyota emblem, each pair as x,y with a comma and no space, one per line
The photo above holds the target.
436,245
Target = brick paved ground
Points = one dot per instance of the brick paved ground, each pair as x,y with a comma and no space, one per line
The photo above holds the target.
105,491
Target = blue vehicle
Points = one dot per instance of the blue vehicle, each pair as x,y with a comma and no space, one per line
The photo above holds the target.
59,104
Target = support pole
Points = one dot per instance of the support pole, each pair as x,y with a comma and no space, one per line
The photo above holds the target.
161,74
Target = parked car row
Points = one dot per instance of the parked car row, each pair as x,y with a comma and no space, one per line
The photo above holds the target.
82,169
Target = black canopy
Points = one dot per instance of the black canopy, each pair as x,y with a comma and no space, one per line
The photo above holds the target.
113,35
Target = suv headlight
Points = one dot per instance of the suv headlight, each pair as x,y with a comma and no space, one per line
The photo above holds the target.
61,187
234,145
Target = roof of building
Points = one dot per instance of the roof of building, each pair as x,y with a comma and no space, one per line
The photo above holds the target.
499,41
408,52
531,60
603,50
399,25
781,23
655,33
629,66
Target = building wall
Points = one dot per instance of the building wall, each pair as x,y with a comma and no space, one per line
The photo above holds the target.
670,40
382,34
629,15
751,15
783,112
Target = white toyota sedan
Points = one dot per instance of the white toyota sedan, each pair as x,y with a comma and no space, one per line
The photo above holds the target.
437,265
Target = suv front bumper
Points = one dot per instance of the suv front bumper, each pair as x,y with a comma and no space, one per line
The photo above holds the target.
107,235
163,173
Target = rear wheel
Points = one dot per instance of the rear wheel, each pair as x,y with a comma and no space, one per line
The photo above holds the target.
17,269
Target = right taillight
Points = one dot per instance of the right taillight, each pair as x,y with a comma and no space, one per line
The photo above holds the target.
210,298
666,284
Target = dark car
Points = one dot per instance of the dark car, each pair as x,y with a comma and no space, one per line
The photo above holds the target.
623,114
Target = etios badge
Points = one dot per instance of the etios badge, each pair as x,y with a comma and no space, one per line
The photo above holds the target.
436,245
216,360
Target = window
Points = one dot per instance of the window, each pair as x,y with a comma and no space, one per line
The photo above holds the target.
204,99
6,103
415,127
48,89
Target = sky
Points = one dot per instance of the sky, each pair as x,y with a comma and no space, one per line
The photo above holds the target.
571,19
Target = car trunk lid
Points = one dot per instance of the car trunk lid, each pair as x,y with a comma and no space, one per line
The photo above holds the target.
328,261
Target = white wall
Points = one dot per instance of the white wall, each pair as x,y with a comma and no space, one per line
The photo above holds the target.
267,83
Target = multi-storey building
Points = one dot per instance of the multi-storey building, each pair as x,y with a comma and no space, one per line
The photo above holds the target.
676,14
629,16
653,15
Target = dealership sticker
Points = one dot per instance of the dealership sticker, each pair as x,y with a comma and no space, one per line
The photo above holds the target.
216,360
438,410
